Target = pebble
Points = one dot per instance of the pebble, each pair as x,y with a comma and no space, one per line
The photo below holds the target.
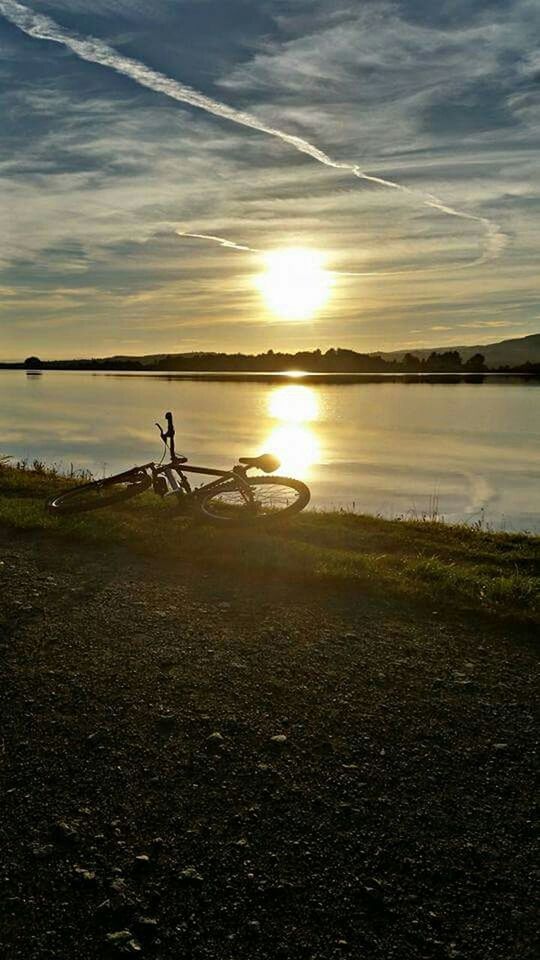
43,851
166,720
87,875
279,739
65,831
191,875
119,886
215,738
142,860
124,941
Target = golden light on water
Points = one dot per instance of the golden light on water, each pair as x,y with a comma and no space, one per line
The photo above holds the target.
295,283
293,439
293,403
297,448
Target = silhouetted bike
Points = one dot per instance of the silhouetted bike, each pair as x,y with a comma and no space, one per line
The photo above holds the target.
232,497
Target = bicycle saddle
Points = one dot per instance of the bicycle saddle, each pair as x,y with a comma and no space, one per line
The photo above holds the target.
267,462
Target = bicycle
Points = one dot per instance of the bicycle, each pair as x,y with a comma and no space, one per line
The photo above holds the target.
232,497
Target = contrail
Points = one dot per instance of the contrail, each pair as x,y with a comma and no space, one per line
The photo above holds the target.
232,245
96,51
222,241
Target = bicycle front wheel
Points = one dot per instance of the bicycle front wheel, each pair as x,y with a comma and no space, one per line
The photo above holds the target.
274,499
100,493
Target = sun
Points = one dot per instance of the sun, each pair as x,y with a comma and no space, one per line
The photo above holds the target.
295,283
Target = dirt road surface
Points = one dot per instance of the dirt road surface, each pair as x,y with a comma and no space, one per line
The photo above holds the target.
195,766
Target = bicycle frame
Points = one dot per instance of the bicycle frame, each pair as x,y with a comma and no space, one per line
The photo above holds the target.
180,486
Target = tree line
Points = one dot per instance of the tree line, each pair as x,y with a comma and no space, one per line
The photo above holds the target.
313,361
332,361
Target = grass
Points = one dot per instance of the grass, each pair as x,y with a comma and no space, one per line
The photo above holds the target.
427,561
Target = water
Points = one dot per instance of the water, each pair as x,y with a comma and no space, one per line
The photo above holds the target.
463,450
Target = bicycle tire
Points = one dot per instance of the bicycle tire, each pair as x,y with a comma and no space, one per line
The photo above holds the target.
95,495
222,507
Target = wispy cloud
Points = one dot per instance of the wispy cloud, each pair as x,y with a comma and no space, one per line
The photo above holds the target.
490,324
95,51
97,174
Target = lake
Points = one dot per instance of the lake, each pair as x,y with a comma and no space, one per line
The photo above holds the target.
466,451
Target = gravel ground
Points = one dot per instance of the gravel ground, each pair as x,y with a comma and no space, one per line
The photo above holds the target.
201,767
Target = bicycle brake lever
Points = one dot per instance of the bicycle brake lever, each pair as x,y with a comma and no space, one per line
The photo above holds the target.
162,433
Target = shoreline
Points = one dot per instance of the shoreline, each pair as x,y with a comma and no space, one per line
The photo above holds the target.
418,560
311,377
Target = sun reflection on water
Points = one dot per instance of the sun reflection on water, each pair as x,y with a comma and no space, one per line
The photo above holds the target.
293,404
292,440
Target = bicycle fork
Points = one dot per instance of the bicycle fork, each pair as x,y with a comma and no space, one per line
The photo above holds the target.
177,486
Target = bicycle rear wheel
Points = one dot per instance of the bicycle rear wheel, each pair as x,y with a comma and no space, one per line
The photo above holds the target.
100,493
274,499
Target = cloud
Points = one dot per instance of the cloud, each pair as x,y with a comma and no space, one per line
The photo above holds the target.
491,324
95,51
124,8
98,173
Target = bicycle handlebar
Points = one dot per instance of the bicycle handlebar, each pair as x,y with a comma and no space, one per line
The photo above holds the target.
169,433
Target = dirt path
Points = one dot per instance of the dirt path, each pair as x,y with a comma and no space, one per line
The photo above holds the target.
236,770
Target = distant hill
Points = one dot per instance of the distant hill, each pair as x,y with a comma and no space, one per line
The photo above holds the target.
149,359
503,353
510,353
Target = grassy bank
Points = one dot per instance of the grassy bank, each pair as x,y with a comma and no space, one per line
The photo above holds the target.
434,563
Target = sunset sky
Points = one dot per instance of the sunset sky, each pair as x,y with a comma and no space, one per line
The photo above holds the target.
103,164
